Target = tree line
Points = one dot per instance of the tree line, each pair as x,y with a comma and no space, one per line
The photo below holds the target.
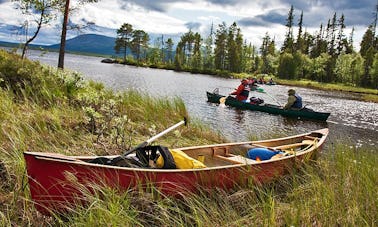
324,56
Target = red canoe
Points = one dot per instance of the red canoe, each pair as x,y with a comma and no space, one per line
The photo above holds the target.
57,181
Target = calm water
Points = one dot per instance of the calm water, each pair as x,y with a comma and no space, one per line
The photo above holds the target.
351,120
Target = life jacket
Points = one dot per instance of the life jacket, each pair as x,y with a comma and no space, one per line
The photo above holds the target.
298,102
245,92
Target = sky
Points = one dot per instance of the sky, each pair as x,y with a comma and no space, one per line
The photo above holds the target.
256,18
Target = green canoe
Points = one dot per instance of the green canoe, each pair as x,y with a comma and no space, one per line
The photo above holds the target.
268,108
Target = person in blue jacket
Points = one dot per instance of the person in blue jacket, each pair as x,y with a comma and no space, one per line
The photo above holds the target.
294,101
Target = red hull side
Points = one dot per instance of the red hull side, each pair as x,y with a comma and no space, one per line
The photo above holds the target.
56,185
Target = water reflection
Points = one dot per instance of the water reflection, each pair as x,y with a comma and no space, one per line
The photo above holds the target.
350,119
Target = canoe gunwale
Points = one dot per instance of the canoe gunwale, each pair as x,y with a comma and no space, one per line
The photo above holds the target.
78,160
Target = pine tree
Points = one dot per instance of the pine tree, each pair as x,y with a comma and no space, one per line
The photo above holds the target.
220,47
300,39
196,60
342,42
122,42
350,48
231,56
288,45
367,41
239,51
169,50
208,58
139,42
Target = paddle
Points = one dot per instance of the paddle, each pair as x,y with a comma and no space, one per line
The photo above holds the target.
115,160
262,91
150,140
274,99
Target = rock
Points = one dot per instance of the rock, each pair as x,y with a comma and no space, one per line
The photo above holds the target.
107,60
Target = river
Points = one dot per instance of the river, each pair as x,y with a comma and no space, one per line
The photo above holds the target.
351,121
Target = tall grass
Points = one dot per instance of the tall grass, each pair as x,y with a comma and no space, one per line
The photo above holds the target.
337,190
49,110
64,114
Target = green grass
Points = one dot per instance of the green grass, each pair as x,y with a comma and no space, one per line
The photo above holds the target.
64,114
364,94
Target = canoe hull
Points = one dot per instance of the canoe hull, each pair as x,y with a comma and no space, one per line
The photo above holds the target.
268,108
58,183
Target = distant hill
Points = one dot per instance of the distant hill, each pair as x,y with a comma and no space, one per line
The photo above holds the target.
90,43
86,44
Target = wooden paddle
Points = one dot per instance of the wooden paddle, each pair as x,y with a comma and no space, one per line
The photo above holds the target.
150,140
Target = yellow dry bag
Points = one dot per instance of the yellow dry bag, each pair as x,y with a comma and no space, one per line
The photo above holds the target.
182,161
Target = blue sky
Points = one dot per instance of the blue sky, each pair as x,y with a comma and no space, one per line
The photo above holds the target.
254,17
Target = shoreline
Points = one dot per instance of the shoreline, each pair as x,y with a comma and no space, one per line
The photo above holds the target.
363,94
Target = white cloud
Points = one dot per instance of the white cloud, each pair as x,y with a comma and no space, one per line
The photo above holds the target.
109,14
172,17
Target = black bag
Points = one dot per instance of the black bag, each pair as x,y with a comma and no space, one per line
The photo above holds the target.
256,101
142,158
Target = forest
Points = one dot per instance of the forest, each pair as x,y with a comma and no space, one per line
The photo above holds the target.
327,56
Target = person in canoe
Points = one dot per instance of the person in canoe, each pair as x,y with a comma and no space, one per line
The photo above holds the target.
294,101
271,82
252,83
242,92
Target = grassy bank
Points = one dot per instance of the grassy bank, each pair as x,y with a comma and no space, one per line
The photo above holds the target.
364,94
44,109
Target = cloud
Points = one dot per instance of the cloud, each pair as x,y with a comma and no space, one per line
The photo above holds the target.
273,17
176,17
193,25
159,6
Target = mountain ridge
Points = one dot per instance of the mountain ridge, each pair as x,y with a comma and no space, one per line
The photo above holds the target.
86,44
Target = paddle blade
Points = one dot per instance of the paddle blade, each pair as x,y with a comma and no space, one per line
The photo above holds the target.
260,90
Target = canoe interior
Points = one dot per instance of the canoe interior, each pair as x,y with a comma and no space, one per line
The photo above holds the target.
229,154
236,153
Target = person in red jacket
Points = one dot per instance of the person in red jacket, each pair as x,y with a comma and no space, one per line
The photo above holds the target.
242,91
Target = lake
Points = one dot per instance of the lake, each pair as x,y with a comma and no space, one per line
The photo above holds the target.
355,122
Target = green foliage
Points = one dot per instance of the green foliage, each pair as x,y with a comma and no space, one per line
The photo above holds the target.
317,68
374,72
320,57
287,67
29,80
348,68
123,40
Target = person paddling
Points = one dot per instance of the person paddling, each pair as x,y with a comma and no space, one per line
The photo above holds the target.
294,101
242,92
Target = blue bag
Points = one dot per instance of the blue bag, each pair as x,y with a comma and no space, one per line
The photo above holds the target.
261,153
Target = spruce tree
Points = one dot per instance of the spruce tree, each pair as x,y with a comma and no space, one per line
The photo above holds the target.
288,45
